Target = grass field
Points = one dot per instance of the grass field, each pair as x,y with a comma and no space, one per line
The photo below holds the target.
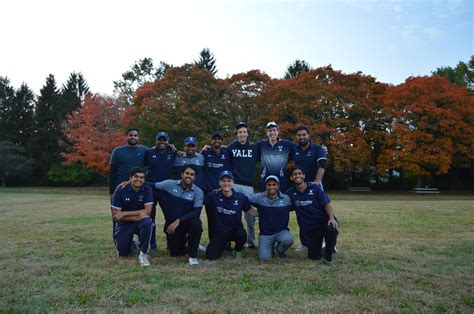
397,253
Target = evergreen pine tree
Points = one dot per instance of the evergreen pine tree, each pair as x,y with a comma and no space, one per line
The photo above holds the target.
206,61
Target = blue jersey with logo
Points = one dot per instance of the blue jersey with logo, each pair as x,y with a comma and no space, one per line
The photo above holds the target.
227,211
308,159
273,214
159,164
198,160
128,200
274,159
214,164
309,206
244,161
177,202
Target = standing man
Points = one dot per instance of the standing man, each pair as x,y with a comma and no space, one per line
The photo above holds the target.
159,161
274,155
131,209
181,202
311,157
244,156
315,215
226,207
191,157
125,158
274,214
216,160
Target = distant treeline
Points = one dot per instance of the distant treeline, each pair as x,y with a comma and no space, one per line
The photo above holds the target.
385,136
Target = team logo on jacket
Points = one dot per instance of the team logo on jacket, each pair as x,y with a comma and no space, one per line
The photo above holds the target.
236,202
140,198
154,156
223,157
127,199
310,192
297,203
280,148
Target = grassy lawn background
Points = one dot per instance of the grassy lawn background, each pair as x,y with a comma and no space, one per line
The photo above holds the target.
398,252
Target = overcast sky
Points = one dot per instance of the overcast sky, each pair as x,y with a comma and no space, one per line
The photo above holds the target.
390,40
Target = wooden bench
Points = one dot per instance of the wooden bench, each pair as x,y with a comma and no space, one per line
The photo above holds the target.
421,191
360,189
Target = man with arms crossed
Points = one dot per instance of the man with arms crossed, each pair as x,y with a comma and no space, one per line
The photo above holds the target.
226,207
131,209
244,161
315,215
273,216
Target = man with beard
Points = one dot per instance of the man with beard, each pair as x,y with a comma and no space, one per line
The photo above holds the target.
273,216
131,209
226,206
159,162
274,154
181,202
312,158
244,162
315,215
191,157
216,160
123,160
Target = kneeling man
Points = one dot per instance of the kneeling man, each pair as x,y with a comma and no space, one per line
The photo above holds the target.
181,202
273,214
315,215
226,206
131,209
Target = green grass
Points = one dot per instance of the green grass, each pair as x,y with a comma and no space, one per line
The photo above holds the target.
398,253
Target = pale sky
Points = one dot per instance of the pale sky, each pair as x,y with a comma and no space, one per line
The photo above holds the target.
390,39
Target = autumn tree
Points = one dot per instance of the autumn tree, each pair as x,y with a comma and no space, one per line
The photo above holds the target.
94,131
342,110
432,120
296,68
206,61
246,100
187,101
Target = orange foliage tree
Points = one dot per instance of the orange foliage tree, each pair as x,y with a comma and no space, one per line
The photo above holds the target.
344,111
431,121
93,131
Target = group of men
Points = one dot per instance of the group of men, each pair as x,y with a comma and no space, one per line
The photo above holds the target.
222,179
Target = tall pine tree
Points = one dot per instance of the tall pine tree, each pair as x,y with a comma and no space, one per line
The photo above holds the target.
45,146
296,68
73,93
206,61
7,103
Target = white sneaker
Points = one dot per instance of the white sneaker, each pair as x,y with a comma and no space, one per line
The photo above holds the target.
201,248
143,259
301,248
193,261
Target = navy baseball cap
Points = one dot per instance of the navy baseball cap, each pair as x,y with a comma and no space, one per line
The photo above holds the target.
217,134
272,177
190,140
226,174
271,124
241,124
162,134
